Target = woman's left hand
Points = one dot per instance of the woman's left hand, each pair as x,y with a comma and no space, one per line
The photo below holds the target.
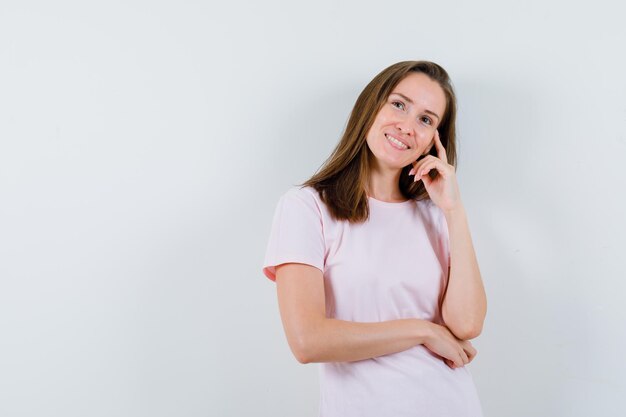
443,190
470,351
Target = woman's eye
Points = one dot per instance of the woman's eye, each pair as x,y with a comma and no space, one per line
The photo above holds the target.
398,104
427,120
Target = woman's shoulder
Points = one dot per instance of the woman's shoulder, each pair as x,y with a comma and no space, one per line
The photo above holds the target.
302,191
302,196
298,192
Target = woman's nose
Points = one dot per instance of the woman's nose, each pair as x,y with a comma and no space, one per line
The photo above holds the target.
405,127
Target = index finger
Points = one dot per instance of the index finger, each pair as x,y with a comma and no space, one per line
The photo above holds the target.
441,151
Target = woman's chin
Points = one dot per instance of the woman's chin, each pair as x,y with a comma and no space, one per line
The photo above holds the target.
393,164
389,162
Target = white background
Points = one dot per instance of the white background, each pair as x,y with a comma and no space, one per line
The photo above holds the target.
144,145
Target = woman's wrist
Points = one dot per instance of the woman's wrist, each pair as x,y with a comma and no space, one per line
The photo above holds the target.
424,331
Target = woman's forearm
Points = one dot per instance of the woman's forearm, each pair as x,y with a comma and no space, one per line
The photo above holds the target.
313,337
465,304
335,340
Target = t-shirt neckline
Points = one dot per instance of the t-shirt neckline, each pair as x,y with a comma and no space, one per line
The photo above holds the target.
390,204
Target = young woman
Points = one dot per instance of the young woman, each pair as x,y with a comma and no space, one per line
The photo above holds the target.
376,274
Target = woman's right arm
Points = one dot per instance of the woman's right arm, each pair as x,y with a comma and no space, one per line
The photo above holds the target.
314,338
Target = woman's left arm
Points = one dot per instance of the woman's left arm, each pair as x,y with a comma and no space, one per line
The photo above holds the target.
464,304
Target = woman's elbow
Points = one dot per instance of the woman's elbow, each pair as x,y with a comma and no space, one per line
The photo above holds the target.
468,331
473,334
463,326
303,359
302,350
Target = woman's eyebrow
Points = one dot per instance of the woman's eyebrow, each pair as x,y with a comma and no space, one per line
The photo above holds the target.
411,102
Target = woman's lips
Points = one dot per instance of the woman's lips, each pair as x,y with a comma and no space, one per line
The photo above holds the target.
394,142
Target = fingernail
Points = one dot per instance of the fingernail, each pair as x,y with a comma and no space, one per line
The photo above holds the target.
411,172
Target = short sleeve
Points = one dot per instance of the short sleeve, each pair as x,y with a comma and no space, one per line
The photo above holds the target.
296,234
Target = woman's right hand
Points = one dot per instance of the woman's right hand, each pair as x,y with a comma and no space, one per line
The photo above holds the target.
455,352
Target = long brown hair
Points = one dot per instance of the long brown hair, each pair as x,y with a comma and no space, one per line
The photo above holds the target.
341,180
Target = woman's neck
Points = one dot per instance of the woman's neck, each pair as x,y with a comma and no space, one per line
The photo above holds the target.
383,185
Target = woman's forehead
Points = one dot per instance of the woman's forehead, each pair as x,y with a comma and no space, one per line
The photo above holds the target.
421,90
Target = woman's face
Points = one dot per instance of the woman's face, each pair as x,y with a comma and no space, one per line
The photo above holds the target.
410,116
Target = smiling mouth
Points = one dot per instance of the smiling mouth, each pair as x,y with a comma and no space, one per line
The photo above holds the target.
396,143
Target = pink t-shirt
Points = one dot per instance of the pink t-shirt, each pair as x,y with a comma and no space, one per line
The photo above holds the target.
393,266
